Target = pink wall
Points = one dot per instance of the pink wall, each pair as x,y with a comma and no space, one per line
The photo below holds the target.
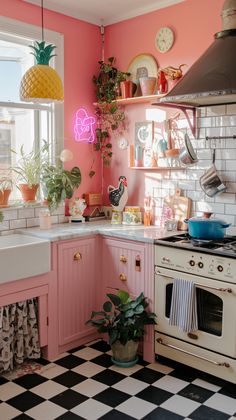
82,46
194,23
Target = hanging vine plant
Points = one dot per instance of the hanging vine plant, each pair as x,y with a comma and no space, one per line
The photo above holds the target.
110,116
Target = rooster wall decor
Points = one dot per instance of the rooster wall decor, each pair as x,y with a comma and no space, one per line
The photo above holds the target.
118,196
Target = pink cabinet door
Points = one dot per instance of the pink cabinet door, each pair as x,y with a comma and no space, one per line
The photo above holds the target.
123,265
77,288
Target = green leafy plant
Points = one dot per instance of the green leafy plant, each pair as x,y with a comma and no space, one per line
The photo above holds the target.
1,216
107,81
59,183
29,165
110,117
6,182
123,318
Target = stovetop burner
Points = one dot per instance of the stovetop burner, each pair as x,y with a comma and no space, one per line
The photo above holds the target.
224,245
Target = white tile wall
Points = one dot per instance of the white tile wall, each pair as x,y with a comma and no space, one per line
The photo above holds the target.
22,217
212,121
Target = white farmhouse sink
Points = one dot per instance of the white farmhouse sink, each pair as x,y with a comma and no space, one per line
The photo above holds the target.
23,256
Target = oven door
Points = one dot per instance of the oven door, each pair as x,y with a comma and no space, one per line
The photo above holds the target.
216,309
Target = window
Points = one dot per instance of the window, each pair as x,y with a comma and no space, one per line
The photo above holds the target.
20,122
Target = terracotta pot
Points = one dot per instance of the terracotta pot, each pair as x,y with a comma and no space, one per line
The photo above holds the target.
126,89
4,196
28,194
148,85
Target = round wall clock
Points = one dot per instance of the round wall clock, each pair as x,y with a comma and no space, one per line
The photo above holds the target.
123,143
164,39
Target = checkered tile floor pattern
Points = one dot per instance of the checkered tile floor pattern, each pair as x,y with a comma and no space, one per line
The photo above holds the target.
84,384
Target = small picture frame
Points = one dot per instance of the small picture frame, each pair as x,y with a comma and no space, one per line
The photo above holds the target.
144,132
143,143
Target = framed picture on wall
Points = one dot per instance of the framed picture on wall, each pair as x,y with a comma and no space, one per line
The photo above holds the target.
143,143
144,132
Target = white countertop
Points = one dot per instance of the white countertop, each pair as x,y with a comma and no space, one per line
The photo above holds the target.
67,231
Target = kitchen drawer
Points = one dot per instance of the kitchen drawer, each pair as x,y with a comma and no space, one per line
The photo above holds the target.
123,265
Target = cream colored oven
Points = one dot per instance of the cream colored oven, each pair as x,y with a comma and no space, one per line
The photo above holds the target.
212,347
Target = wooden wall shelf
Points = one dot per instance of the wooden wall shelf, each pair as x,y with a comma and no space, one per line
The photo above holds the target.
137,100
159,168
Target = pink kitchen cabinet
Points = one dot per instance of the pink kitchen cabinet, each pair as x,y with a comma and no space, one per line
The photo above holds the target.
123,265
78,281
129,265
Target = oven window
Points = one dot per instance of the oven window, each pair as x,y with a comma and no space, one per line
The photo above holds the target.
209,310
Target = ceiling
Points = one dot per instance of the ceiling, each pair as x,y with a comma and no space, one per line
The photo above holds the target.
104,12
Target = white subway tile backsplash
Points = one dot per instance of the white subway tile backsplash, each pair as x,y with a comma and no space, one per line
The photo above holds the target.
215,131
226,198
231,187
32,222
216,110
10,214
25,213
231,109
225,120
204,154
230,209
4,226
17,224
206,122
226,154
230,165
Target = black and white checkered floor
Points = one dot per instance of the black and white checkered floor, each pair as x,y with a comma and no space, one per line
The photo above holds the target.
84,384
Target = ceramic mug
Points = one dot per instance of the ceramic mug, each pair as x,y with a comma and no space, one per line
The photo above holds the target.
148,85
127,88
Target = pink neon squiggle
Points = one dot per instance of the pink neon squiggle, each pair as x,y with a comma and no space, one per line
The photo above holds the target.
84,126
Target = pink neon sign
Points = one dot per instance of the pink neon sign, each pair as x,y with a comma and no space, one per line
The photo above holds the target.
84,127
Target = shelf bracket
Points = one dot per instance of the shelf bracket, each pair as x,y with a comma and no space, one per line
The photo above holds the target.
185,109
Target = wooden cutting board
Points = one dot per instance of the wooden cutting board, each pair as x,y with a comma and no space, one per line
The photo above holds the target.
180,207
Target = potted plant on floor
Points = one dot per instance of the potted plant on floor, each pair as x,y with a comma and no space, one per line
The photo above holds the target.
124,320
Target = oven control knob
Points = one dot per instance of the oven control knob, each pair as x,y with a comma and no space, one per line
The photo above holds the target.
200,264
164,259
220,268
192,263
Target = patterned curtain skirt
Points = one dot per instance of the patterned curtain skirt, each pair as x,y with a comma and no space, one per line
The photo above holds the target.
19,337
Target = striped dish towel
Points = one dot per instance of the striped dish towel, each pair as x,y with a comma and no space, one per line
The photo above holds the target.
183,311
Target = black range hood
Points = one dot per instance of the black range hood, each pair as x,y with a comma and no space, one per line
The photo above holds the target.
212,78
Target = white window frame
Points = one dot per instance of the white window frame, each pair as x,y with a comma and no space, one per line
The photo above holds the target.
30,32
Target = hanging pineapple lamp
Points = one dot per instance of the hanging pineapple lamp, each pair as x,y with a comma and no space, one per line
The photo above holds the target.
41,83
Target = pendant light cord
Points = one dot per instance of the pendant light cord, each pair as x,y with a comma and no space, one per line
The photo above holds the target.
42,20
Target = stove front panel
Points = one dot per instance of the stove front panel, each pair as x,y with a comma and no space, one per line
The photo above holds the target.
197,263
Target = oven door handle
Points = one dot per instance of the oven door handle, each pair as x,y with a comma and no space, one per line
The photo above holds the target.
224,364
220,289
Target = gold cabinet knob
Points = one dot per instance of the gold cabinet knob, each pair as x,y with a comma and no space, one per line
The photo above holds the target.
122,277
77,256
123,259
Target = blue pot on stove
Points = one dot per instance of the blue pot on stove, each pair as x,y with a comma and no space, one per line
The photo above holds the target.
202,228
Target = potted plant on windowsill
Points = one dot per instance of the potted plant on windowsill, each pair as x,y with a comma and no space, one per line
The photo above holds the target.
5,189
124,320
28,170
